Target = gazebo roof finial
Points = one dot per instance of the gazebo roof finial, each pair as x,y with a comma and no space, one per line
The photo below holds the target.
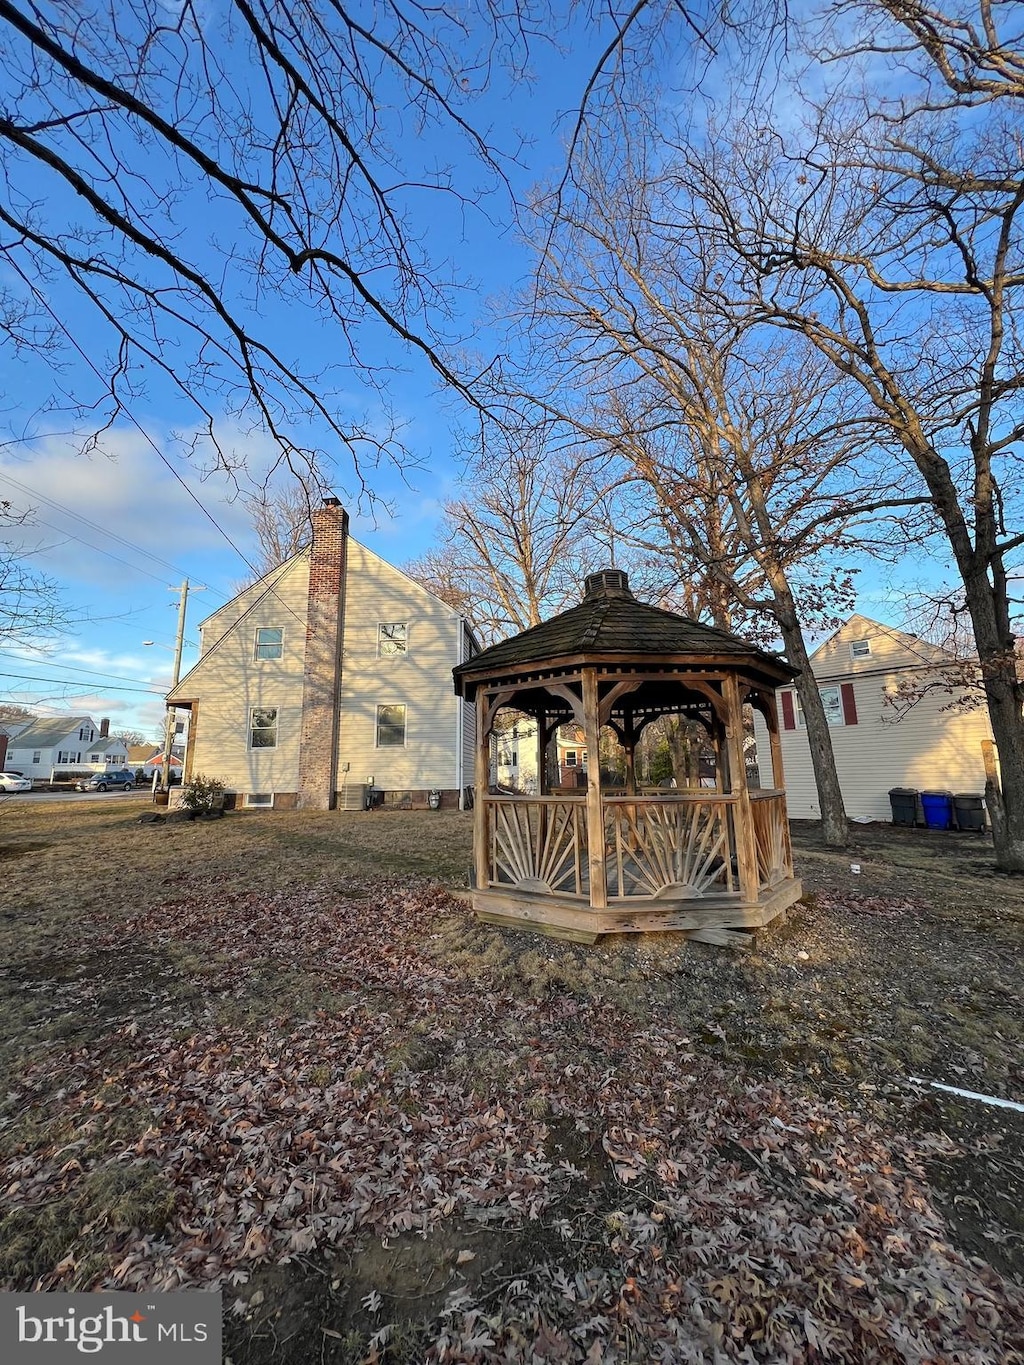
607,583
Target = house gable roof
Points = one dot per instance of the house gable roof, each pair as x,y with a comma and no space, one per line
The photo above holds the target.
268,585
49,731
893,649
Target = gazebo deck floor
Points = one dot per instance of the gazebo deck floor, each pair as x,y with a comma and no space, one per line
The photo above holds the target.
572,918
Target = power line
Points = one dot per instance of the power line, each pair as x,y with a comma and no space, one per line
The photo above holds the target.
78,517
67,682
119,677
44,303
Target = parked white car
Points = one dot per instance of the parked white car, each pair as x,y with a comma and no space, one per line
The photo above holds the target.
14,782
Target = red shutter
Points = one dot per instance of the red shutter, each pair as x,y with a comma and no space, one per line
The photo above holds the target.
849,704
788,715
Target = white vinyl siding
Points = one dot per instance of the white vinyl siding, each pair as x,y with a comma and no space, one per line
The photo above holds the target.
378,594
931,748
228,684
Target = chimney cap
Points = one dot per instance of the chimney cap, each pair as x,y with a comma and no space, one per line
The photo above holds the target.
331,502
606,583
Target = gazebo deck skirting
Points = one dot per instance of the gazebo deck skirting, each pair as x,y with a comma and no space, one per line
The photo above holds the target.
670,862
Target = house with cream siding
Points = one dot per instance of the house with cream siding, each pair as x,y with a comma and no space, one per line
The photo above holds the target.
329,678
933,744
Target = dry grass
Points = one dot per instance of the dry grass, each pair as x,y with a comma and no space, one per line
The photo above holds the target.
911,967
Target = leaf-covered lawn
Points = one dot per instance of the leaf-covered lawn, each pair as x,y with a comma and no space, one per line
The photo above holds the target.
389,1133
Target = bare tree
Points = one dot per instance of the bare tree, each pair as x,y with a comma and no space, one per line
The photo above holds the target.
30,605
515,549
281,518
887,231
751,450
129,737
180,184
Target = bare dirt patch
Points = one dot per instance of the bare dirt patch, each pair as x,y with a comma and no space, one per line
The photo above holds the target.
278,1059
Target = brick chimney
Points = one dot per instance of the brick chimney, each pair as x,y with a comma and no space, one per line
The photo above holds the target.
105,728
321,674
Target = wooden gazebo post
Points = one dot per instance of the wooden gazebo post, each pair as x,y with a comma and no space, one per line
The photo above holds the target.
746,848
595,811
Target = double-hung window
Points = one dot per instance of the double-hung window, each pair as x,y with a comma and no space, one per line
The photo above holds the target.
263,727
392,639
391,726
269,642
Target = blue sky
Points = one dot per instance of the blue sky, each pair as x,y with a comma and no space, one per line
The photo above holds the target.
119,526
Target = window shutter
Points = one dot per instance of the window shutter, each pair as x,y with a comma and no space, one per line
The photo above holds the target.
788,714
849,704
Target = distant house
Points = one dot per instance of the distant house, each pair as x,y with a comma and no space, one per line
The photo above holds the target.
150,758
65,744
329,677
878,743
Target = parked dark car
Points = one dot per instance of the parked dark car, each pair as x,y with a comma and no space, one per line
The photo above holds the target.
101,782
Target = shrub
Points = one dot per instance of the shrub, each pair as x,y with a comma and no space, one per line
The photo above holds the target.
201,794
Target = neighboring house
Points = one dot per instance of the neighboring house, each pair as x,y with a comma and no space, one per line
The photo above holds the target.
329,676
150,758
929,745
65,744
9,730
514,754
141,754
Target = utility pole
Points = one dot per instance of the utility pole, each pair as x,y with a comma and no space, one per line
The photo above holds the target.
179,642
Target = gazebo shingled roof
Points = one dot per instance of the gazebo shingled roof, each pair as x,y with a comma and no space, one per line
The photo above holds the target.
610,621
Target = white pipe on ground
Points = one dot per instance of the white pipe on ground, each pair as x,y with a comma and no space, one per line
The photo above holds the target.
968,1094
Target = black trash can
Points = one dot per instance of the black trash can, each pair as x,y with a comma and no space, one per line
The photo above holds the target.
903,801
969,809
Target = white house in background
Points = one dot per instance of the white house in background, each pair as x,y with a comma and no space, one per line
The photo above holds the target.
65,744
330,676
514,753
928,746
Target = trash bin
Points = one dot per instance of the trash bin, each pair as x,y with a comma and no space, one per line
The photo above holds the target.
969,809
903,801
938,809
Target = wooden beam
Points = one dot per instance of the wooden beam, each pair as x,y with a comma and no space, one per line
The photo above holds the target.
483,740
595,813
746,849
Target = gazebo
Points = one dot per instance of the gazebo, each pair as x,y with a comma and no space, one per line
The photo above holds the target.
578,863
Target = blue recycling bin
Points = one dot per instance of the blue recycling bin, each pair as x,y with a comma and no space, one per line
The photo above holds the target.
938,809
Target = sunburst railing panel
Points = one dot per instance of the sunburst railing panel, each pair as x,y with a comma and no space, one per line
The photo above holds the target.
771,837
677,845
537,844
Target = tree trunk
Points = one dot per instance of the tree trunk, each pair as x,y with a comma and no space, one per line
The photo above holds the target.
1003,695
834,826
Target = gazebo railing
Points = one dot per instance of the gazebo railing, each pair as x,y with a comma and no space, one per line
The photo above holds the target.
671,845
675,845
771,837
539,843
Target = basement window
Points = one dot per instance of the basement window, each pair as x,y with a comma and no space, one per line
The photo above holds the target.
259,799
